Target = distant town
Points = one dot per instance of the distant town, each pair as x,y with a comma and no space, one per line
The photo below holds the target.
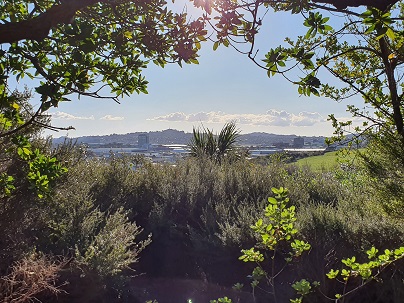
170,145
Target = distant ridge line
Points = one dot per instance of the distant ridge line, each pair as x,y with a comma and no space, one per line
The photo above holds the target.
173,136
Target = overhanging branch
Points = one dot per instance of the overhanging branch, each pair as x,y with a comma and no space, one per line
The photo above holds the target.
342,4
38,27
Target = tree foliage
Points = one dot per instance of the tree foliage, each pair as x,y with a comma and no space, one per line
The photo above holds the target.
87,48
80,48
364,53
277,227
40,169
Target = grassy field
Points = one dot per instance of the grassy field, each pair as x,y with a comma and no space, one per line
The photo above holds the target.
328,161
325,162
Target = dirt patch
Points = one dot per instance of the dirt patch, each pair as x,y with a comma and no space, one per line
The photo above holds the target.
166,290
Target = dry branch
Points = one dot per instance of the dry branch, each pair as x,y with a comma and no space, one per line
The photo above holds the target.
30,277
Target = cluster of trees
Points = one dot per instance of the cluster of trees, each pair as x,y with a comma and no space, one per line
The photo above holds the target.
98,48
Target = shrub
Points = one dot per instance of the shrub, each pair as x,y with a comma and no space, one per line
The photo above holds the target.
30,277
115,247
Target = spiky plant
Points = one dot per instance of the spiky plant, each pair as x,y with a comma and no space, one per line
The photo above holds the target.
205,143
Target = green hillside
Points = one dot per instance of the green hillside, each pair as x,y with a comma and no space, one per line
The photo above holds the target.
324,162
328,161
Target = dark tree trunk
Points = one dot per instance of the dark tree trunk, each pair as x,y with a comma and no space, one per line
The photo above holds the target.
395,99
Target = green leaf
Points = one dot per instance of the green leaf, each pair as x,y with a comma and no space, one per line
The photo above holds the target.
332,274
272,200
390,33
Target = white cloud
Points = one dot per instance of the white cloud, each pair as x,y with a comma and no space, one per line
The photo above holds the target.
172,117
306,119
65,116
112,118
270,118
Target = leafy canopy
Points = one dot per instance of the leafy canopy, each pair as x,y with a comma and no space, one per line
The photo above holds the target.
96,48
80,48
364,53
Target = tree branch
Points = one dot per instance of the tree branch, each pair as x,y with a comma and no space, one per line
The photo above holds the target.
38,27
395,100
342,4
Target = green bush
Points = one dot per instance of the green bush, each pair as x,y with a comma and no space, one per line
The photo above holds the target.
383,164
69,221
214,204
114,248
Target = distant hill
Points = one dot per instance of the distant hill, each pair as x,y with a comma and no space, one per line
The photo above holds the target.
172,136
168,136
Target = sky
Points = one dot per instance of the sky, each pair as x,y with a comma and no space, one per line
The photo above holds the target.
225,86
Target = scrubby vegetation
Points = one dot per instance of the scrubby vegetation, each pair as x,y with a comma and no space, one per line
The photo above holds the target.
196,217
71,222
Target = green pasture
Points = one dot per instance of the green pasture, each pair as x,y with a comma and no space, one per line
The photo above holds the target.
325,162
328,161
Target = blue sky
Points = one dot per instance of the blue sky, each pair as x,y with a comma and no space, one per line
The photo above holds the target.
225,86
